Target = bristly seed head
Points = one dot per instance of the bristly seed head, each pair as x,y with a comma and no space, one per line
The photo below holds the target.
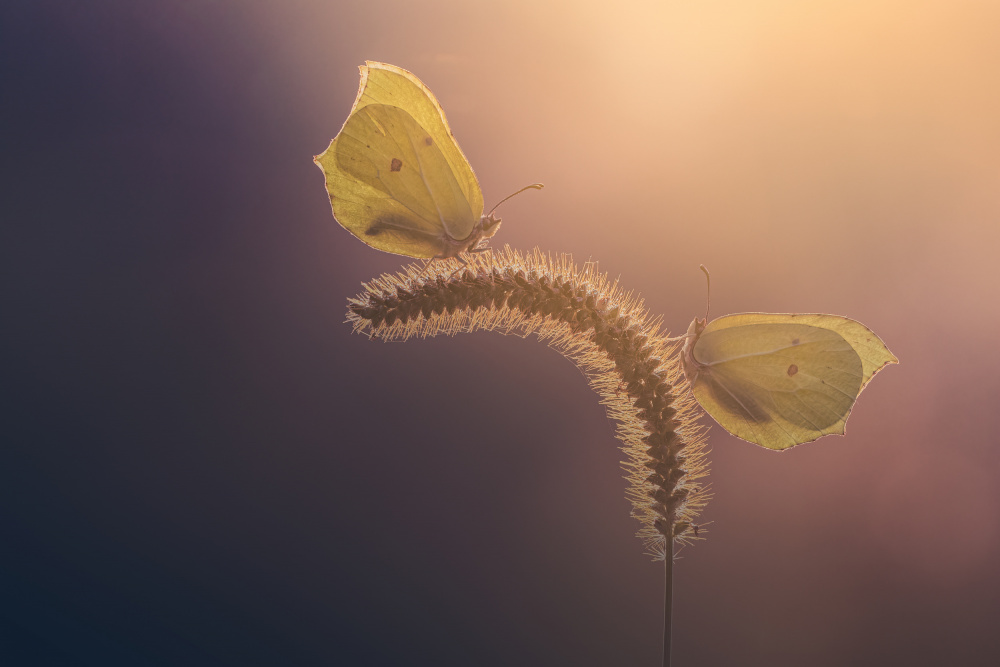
605,332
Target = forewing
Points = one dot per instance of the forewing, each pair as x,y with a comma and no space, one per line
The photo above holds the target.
382,83
777,385
873,352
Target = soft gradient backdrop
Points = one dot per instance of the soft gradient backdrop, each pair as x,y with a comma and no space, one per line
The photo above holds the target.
202,465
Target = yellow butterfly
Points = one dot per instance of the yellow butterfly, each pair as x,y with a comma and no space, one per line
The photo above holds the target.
395,174
779,380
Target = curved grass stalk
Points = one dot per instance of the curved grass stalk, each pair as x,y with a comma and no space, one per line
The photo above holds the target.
605,331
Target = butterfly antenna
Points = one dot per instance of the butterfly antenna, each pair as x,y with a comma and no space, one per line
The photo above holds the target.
533,186
708,279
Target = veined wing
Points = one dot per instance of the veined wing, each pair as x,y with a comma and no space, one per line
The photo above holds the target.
873,352
777,384
382,83
386,155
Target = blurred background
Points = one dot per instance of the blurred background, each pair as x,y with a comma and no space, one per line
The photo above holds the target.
203,465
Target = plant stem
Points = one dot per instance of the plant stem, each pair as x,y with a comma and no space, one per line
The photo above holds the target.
668,595
606,332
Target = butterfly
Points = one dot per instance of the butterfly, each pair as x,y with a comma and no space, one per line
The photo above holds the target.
777,379
396,177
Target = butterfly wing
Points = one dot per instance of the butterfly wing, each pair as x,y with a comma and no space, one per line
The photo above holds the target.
774,381
382,83
395,174
873,352
399,193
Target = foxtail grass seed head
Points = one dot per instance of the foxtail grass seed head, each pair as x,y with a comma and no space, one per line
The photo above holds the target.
606,332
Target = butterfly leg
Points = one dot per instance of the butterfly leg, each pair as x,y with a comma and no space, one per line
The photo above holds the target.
428,264
484,248
464,263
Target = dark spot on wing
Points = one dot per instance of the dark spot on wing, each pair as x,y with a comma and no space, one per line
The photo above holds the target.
396,164
792,370
795,341
428,141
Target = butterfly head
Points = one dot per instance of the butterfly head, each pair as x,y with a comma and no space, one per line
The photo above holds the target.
480,236
692,367
490,225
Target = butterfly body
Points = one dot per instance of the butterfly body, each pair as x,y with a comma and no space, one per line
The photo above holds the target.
779,380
